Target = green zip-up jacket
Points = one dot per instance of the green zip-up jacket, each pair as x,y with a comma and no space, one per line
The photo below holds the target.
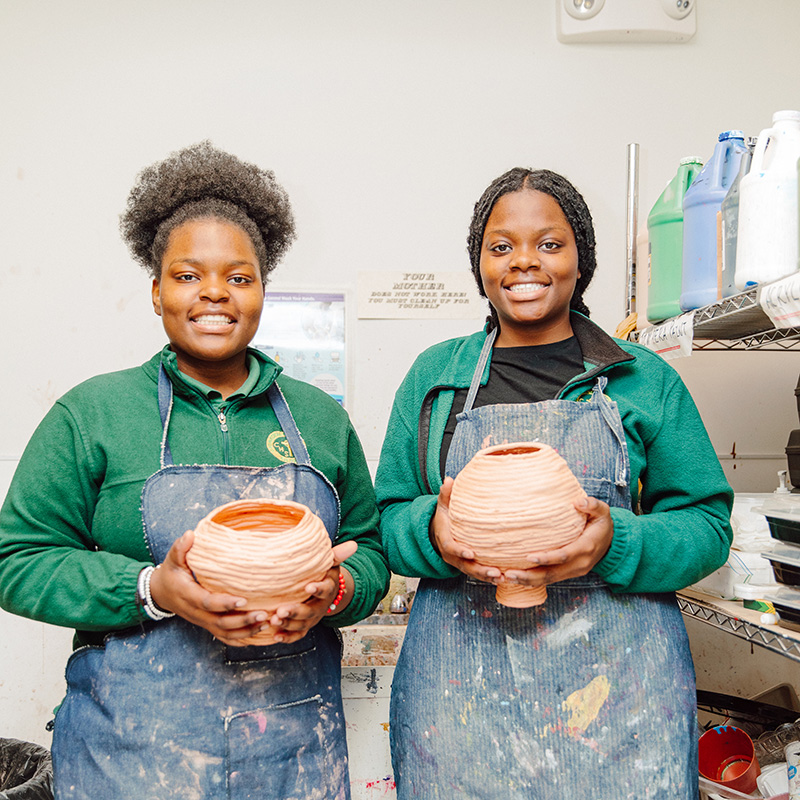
683,531
71,538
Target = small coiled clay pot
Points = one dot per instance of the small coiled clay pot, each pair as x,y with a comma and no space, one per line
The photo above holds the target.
511,500
264,550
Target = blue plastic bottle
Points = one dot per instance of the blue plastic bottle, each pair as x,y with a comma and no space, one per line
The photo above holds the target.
702,201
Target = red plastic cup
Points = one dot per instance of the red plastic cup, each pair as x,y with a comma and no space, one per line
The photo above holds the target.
727,757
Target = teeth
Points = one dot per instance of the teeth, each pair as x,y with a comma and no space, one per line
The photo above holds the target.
213,319
521,288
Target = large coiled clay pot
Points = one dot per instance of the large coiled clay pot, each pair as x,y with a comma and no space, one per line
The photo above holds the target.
266,551
511,500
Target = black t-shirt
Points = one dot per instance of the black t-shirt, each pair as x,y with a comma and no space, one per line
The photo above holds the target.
520,375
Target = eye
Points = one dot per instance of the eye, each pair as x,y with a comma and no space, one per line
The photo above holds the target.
550,246
501,247
240,280
185,277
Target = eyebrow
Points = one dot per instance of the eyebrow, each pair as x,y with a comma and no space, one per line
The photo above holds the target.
197,262
548,229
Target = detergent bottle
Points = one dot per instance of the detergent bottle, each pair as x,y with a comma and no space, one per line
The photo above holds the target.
766,245
730,222
665,231
702,201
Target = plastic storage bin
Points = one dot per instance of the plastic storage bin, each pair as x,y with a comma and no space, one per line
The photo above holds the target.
786,600
785,560
783,517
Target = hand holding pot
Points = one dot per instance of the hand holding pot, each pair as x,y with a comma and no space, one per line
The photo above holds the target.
174,588
576,558
457,555
292,621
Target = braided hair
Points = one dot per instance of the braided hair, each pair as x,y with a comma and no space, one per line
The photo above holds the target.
571,203
202,182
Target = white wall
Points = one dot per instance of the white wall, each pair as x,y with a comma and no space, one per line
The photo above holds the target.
384,121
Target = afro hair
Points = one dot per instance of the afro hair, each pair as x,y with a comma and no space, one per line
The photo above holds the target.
199,182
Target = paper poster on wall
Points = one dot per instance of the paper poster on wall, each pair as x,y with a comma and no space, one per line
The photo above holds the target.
305,333
419,295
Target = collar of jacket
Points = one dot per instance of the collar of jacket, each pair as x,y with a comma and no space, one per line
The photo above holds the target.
600,352
269,372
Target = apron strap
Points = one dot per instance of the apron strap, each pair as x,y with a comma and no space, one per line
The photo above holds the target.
614,422
279,406
287,423
475,383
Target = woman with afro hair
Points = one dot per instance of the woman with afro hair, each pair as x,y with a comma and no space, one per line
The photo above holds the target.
591,694
166,697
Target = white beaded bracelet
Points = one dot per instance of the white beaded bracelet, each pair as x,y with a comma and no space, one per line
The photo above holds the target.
146,599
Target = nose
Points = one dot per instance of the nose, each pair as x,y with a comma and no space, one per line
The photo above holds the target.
215,289
525,258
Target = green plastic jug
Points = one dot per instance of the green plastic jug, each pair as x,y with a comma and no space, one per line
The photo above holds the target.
665,229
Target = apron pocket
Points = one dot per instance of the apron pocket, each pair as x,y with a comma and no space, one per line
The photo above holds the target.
607,491
281,751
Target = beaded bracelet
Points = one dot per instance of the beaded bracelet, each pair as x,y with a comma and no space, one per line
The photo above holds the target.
146,599
338,598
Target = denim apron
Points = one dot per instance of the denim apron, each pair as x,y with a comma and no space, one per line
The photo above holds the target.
165,711
590,695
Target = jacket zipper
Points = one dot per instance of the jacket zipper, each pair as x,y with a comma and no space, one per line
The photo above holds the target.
222,419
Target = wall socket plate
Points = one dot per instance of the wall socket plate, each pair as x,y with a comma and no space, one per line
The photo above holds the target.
626,20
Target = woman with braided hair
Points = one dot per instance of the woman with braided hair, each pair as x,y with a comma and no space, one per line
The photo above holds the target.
163,698
591,694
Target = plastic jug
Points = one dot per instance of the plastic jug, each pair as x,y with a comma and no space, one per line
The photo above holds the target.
665,229
702,201
766,246
730,222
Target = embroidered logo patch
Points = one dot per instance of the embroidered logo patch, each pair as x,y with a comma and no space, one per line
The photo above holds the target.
279,447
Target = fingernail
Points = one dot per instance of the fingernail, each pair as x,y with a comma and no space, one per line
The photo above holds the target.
261,617
240,603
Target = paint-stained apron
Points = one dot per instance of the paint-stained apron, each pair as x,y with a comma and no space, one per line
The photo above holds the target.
165,711
590,695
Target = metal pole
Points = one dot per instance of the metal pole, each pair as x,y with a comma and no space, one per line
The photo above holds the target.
633,225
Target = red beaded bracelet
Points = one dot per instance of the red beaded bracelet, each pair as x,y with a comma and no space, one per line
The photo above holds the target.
338,598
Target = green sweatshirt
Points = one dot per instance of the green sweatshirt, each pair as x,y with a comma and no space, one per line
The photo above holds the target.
71,536
683,532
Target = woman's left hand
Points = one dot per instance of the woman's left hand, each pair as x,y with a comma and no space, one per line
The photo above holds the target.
292,621
574,559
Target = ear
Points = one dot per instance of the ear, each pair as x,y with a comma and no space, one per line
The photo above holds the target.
156,295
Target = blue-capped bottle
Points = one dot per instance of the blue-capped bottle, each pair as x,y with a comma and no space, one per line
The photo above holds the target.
700,279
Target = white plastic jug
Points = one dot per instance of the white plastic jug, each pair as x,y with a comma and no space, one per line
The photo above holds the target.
766,248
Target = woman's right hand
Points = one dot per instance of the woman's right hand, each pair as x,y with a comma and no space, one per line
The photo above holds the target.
457,555
173,588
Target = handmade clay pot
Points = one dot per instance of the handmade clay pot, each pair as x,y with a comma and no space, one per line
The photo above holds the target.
266,551
511,500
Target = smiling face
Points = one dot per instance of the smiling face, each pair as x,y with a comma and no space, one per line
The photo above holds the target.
529,266
209,298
